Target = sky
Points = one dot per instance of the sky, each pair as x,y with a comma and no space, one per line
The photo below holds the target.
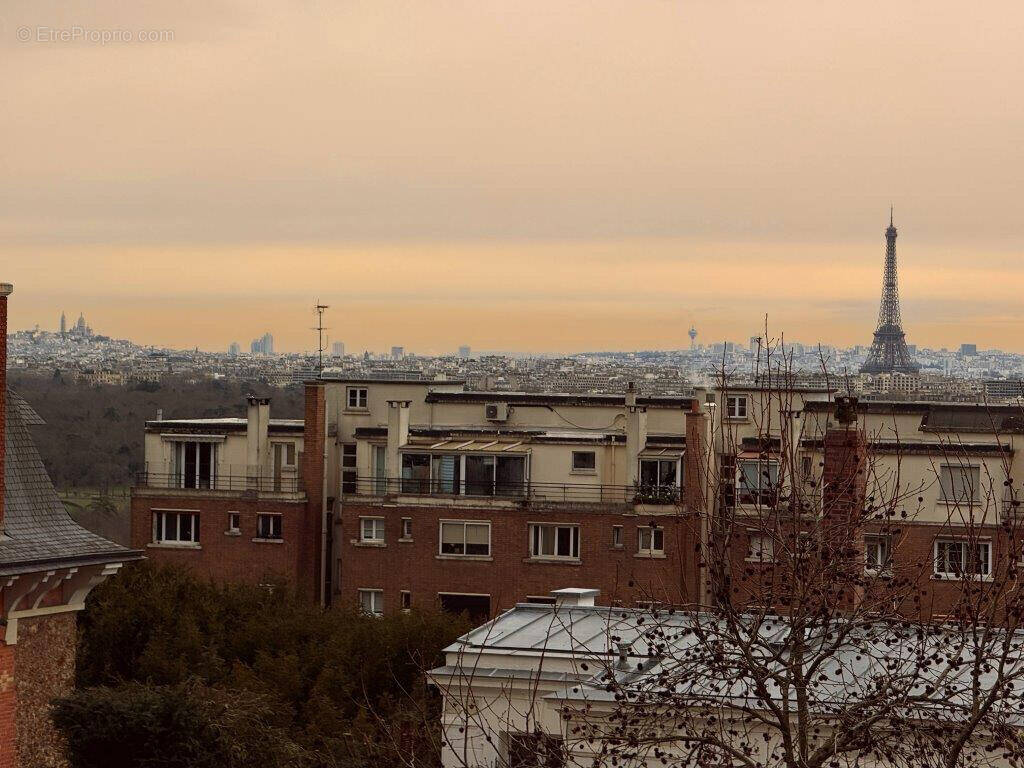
516,175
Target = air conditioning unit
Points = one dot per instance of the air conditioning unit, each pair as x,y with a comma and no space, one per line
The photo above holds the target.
496,411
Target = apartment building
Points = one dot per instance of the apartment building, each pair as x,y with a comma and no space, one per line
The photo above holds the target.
411,492
226,497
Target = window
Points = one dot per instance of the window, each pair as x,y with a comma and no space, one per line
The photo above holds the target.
371,601
349,475
736,406
175,527
472,474
877,553
659,481
380,469
406,527
477,607
761,548
535,750
268,526
415,473
356,397
555,541
650,541
406,600
617,536
194,464
284,454
584,461
960,484
805,467
459,537
371,529
757,481
234,522
955,558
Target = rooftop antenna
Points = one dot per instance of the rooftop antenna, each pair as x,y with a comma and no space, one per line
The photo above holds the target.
320,337
890,215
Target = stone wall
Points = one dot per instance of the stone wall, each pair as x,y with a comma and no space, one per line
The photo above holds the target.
45,671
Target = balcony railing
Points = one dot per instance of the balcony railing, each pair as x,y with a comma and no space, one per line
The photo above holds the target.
582,493
233,478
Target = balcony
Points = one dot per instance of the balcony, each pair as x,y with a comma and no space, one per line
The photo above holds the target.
525,492
231,479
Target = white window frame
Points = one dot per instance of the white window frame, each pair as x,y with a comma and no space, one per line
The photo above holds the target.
736,406
377,526
574,542
193,482
757,552
584,470
652,550
764,487
357,398
288,451
405,600
407,529
234,523
983,545
376,601
464,523
280,526
882,545
160,527
617,537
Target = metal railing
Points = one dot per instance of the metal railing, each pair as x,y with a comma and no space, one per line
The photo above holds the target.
511,491
231,478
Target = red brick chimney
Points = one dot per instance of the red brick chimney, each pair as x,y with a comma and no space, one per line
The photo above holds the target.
844,480
5,290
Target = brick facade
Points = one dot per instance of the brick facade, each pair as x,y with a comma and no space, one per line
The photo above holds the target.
509,575
310,554
8,707
221,554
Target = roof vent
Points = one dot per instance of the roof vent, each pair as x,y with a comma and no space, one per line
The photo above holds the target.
575,597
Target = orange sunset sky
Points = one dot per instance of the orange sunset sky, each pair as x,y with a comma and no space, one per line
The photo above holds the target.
517,175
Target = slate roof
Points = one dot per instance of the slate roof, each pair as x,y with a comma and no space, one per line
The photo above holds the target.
38,532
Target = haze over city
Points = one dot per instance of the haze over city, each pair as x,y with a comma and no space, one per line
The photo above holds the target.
537,176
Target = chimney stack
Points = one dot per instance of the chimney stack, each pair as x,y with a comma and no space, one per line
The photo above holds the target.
6,289
636,434
257,447
398,435
844,491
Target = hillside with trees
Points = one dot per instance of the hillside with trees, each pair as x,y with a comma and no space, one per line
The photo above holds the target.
93,436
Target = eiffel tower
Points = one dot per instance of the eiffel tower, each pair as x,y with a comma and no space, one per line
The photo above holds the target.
889,353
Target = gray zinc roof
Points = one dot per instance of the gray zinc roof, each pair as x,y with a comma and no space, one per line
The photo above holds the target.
37,530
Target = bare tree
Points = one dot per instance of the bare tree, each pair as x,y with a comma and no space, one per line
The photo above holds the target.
826,634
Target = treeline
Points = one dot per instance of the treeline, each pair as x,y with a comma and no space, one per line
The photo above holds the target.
177,671
94,434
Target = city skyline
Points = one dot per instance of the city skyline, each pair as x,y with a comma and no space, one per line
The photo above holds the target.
642,178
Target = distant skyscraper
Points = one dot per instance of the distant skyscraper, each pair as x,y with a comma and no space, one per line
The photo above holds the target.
464,351
968,350
338,349
63,324
889,353
693,336
254,347
234,349
755,344
267,343
397,353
